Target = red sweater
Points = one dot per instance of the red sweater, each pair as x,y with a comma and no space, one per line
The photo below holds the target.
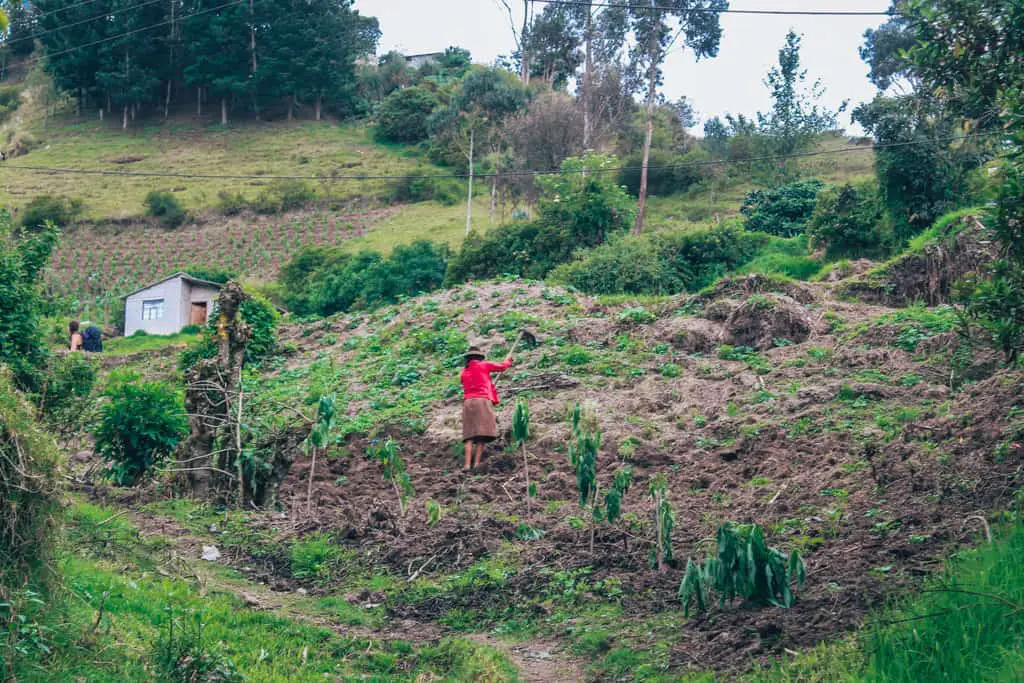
476,379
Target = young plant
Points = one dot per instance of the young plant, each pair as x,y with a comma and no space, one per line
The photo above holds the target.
745,567
394,471
319,439
520,434
621,482
664,520
583,448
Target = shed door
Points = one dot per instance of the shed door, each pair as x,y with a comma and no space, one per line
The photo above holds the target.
198,316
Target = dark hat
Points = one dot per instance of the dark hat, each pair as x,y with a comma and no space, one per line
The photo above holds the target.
475,352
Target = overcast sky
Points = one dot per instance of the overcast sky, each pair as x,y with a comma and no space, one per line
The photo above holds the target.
731,82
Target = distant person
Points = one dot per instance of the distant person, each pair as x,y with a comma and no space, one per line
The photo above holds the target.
76,337
92,339
479,420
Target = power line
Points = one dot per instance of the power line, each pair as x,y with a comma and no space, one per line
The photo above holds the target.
64,27
710,10
528,173
63,9
134,31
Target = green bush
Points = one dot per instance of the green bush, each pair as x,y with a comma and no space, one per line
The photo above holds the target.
22,259
313,557
576,211
402,116
231,203
60,211
667,173
284,195
783,211
660,263
211,273
166,207
784,256
140,427
67,383
420,187
850,221
10,98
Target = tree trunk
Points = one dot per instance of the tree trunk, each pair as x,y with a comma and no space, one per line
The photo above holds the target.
319,106
124,117
252,35
199,101
291,107
167,100
101,114
223,111
588,67
469,196
524,74
651,92
494,198
309,486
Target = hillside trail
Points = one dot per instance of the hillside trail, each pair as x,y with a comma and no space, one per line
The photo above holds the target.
540,660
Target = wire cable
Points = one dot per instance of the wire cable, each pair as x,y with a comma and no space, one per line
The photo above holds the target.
105,15
527,173
709,10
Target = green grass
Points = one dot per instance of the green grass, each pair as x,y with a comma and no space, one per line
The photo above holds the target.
258,149
965,626
122,616
124,346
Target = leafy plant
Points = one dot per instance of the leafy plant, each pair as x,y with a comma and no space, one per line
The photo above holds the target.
166,207
319,439
520,435
664,520
583,447
140,427
58,211
783,211
394,471
850,221
744,567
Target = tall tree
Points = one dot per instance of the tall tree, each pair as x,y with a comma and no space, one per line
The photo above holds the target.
218,53
70,33
132,64
796,117
553,41
656,30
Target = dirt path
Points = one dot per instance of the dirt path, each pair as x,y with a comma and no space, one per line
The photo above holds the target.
537,660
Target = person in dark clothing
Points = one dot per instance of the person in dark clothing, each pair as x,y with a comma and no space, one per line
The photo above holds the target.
479,420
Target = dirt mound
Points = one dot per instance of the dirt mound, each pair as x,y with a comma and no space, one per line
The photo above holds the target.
740,287
763,320
927,275
689,335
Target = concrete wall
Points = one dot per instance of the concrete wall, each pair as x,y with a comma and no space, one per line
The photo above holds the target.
178,296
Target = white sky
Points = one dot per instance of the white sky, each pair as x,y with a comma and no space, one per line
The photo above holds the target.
731,82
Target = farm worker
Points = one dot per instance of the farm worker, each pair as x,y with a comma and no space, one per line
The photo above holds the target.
479,421
76,337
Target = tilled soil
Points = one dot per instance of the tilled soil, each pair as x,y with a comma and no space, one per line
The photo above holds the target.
826,443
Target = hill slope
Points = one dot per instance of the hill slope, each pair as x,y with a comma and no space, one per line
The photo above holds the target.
832,424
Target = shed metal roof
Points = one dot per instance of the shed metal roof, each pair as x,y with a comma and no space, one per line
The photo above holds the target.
183,275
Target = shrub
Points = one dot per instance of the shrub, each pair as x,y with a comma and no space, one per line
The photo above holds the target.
231,203
140,427
402,116
284,195
28,491
667,173
67,382
850,221
60,211
10,98
576,211
658,263
420,187
783,211
327,281
166,207
21,262
313,557
211,273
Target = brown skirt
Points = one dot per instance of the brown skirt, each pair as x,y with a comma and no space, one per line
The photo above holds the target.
479,421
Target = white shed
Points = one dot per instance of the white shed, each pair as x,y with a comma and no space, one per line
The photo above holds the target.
166,306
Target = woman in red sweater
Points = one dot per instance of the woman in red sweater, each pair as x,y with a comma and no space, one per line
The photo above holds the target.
479,421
